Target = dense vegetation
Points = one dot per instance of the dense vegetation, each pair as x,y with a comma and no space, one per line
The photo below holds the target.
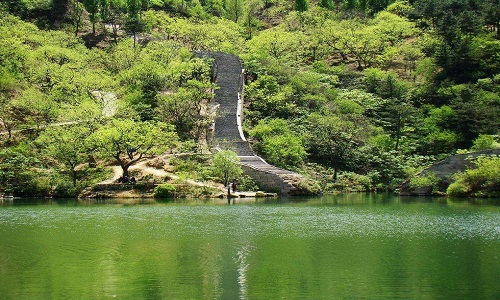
359,94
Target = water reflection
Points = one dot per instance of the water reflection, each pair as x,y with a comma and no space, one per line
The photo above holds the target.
339,200
243,265
348,246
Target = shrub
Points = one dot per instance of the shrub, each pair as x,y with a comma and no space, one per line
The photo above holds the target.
165,190
481,181
65,190
457,189
349,182
192,166
483,142
429,180
246,183
309,187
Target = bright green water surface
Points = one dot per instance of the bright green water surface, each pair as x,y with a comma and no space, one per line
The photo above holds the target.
342,247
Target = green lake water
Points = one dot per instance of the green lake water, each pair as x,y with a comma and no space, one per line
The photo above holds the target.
336,247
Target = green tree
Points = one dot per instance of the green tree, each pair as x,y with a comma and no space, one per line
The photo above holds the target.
328,4
128,141
9,88
252,23
17,172
334,140
76,15
226,166
301,5
276,141
436,134
395,113
66,146
92,7
491,9
362,42
456,22
34,109
183,108
234,9
133,21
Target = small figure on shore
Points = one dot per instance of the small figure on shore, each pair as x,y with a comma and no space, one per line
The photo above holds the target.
234,185
125,179
132,180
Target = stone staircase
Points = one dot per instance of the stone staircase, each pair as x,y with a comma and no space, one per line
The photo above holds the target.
228,75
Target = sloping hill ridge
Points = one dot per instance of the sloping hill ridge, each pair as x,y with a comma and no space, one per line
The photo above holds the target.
228,75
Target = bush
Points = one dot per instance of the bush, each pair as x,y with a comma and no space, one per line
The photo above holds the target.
246,183
457,189
481,181
309,187
64,190
429,180
192,166
165,190
483,142
349,182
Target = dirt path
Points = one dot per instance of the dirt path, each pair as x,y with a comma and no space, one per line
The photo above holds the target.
143,167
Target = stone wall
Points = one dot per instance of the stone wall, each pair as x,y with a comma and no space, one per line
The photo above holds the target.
267,181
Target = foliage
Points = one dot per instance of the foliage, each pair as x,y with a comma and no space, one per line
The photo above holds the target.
225,166
280,145
192,166
18,174
481,181
127,141
309,187
165,190
66,146
372,89
427,180
484,142
335,140
246,183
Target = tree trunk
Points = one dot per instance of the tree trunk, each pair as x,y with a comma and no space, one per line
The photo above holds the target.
125,170
73,174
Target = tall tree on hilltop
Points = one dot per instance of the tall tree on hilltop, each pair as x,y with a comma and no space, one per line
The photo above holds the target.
92,7
301,5
134,18
456,23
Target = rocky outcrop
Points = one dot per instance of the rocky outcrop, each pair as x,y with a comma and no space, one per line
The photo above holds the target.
444,171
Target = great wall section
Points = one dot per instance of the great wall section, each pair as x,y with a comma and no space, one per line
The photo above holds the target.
228,76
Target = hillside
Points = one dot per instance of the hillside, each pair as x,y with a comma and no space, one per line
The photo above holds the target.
358,95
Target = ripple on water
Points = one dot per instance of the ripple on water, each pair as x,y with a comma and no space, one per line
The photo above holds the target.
280,221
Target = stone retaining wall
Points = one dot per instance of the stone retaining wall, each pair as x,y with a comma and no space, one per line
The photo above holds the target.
266,181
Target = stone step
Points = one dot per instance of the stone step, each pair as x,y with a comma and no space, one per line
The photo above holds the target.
228,78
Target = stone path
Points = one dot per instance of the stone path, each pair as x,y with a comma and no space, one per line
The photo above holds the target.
229,97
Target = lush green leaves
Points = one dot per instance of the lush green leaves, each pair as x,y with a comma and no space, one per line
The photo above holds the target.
225,166
483,180
128,141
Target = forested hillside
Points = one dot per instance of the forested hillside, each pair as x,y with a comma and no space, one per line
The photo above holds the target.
358,94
